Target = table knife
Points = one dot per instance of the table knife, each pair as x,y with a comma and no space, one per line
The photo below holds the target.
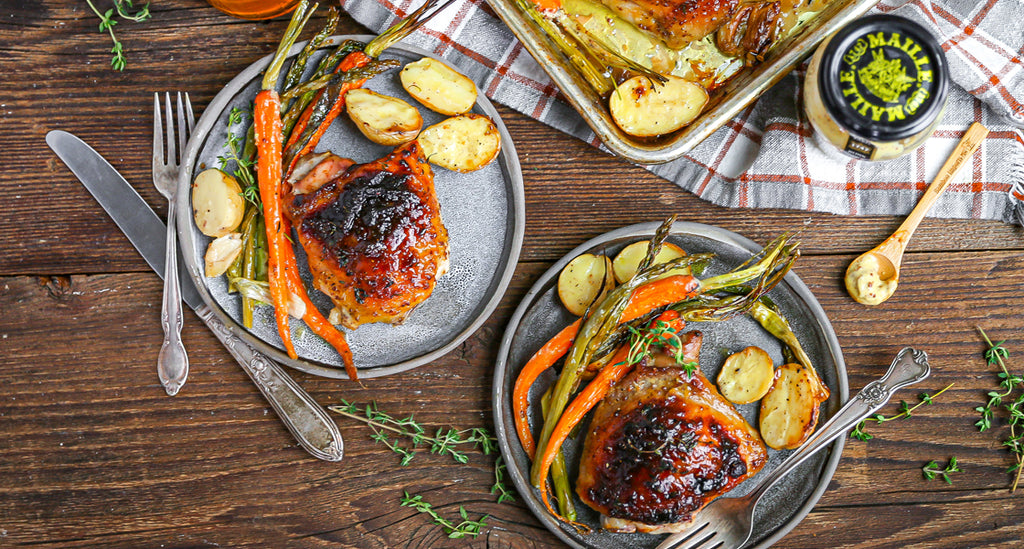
312,427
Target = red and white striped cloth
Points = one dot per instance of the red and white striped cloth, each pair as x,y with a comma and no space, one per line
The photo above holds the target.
767,157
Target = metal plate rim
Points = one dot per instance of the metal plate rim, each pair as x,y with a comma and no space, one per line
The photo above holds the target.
205,124
645,230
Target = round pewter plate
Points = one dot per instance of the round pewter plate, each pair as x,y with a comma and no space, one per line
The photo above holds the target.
482,210
541,315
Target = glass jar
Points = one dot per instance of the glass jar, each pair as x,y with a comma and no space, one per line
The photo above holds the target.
876,89
254,9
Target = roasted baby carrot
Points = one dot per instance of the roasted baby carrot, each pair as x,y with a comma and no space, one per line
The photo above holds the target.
269,148
543,359
312,316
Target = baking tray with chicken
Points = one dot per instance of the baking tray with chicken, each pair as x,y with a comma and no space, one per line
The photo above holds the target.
409,257
697,63
664,434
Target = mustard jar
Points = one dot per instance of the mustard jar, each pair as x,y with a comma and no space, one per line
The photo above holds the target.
876,89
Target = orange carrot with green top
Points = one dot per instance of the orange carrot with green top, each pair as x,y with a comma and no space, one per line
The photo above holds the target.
269,146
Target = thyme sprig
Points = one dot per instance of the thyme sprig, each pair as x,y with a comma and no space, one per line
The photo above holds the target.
659,334
443,441
467,527
107,23
243,171
500,488
995,355
905,411
931,470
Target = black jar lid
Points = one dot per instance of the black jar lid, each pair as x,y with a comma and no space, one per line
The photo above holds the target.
883,78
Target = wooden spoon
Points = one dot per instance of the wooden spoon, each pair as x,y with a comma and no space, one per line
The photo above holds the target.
872,278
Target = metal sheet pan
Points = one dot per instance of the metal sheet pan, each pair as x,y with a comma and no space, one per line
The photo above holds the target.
726,102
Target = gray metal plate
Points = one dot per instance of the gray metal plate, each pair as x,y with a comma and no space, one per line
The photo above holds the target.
540,316
483,212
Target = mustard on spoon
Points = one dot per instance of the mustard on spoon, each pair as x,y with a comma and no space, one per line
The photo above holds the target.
872,278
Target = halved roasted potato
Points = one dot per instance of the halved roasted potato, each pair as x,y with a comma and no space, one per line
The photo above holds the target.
646,109
585,279
789,412
627,261
217,203
381,118
746,376
221,253
439,87
462,143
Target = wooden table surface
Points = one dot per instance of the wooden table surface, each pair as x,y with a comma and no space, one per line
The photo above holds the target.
93,453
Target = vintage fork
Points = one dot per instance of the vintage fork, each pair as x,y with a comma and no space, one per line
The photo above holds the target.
172,363
727,523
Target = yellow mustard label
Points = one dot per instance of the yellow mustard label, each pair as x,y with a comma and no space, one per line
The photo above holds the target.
884,76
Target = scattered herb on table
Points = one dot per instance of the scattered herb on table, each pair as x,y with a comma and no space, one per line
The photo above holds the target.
932,471
465,528
443,441
108,21
905,411
995,355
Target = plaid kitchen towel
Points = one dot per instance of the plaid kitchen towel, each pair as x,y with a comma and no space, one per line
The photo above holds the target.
984,45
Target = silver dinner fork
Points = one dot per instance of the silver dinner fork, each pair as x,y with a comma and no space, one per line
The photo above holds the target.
727,523
172,363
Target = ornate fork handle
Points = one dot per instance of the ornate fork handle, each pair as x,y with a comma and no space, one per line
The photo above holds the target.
172,362
306,420
909,366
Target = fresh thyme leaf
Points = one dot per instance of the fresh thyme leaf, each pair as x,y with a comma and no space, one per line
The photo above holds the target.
500,488
931,471
243,167
659,334
996,354
905,411
465,528
107,23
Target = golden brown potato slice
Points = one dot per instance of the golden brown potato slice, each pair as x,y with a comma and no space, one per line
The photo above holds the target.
221,253
217,203
789,412
746,376
439,87
462,143
381,118
627,261
585,279
645,109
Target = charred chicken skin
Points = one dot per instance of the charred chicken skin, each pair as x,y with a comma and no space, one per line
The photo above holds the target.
745,28
676,22
662,445
372,233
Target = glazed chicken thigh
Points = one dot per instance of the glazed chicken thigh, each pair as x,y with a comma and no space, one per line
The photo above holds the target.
372,233
677,22
662,445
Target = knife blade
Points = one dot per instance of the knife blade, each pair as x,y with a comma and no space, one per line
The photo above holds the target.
144,229
304,418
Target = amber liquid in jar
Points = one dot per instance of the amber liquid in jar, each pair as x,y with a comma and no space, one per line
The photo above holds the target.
254,9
